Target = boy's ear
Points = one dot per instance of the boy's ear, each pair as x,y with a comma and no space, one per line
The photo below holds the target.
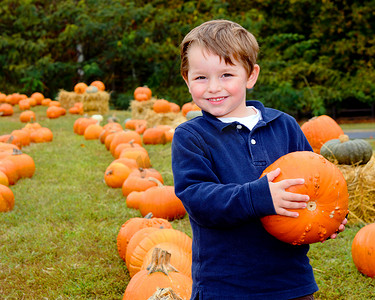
253,77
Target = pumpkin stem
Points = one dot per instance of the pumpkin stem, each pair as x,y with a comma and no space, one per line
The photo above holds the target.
16,152
160,262
148,216
10,139
343,138
165,294
156,181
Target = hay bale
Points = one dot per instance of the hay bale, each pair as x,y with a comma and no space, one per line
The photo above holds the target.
361,187
144,110
139,109
67,99
93,103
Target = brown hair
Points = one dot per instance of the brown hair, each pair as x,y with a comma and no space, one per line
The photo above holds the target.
224,38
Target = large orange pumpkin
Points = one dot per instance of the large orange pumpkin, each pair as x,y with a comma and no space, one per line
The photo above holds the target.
363,250
328,204
319,130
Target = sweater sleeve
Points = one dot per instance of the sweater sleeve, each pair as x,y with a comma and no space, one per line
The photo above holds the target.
209,202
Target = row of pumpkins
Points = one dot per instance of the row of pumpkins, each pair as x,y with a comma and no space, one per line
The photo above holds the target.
157,256
15,164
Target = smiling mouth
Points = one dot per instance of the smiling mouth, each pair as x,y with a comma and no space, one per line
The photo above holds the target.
218,99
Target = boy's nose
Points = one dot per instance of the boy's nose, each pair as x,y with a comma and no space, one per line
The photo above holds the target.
214,85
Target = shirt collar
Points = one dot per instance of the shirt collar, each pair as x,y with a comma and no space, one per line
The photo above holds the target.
268,115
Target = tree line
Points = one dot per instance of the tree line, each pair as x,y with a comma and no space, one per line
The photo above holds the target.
315,56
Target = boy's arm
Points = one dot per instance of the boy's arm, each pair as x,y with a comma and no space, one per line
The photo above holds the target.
207,201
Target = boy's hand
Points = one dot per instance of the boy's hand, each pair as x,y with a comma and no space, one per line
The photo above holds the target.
341,229
283,200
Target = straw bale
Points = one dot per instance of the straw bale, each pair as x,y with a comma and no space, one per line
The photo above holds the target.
139,109
360,180
143,110
93,103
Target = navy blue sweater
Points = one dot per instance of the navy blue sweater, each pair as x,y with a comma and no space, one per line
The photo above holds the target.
216,168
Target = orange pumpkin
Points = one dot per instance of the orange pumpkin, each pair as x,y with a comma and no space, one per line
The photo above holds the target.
160,275
4,179
363,251
180,259
142,93
319,130
161,106
6,109
135,183
6,199
27,116
139,155
99,84
92,132
136,238
125,137
154,136
122,146
41,135
80,88
24,104
54,112
116,174
38,97
135,260
23,135
10,170
132,200
328,204
24,163
133,225
162,202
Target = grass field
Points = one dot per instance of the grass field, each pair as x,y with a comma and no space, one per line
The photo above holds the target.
59,242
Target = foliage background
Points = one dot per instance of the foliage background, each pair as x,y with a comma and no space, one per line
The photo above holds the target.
316,56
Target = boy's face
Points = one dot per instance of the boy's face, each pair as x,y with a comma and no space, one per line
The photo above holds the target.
216,87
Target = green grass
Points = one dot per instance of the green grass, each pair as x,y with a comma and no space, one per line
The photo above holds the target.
59,242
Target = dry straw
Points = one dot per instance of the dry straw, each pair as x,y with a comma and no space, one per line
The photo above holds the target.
361,187
93,103
144,110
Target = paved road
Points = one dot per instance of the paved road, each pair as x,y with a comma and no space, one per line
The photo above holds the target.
360,134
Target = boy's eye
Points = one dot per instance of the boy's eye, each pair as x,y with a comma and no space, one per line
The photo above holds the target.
200,78
227,75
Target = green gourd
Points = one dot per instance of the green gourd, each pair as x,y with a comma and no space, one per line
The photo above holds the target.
346,151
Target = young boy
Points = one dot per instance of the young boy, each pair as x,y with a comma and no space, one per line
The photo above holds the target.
217,160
